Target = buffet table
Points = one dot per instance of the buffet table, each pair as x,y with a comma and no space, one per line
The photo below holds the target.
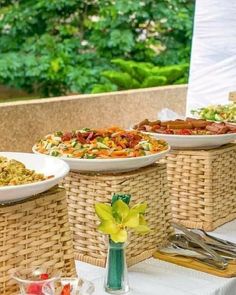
154,277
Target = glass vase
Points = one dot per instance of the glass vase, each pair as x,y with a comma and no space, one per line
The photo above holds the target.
116,279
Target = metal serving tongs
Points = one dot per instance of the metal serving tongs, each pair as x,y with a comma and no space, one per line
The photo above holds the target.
212,255
211,240
182,241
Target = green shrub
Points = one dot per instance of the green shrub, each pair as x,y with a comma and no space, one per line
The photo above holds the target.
62,46
99,88
172,73
122,80
182,80
131,74
153,81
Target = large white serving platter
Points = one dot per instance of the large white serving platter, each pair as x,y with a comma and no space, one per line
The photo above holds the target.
41,164
111,165
195,141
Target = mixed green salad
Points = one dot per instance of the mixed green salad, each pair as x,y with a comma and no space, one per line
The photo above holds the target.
221,113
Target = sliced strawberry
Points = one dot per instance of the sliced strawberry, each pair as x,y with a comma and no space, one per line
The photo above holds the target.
44,276
66,290
34,289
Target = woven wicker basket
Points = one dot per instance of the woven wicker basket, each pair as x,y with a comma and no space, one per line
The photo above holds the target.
203,186
145,185
35,232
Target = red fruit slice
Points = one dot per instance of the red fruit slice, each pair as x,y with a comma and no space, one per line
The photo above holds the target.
66,290
34,289
44,276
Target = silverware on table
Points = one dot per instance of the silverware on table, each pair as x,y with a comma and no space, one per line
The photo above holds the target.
177,251
191,241
184,242
211,240
220,261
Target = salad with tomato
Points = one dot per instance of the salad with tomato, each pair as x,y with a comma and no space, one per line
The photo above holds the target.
106,143
220,113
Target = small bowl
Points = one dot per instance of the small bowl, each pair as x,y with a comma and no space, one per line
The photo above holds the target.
45,281
37,281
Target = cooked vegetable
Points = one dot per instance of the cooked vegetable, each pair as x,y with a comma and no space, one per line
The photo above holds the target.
13,172
100,143
221,113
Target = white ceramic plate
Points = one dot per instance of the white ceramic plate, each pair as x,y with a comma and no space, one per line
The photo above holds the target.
195,141
111,165
40,163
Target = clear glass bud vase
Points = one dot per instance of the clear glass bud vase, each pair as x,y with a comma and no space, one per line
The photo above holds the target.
116,279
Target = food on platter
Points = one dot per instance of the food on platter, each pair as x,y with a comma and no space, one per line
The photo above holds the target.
221,113
13,172
99,144
190,126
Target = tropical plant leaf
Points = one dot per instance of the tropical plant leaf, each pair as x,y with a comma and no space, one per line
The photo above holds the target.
153,81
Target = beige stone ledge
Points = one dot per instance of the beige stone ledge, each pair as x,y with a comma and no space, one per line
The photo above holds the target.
24,122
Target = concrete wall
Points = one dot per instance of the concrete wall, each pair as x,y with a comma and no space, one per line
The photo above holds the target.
23,123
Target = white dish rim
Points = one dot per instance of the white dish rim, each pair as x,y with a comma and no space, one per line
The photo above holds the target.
60,175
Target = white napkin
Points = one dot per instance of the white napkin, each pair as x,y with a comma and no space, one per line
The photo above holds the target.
167,114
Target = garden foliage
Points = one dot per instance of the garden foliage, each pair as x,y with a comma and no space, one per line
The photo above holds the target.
80,46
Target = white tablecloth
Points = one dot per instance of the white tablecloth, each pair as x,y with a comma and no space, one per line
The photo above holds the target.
155,277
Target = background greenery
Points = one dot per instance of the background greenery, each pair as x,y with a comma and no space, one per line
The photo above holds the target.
54,47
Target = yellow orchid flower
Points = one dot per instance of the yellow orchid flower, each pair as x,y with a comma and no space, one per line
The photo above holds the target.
116,218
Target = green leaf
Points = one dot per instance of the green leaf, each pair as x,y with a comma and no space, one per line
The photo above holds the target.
122,80
123,197
99,88
153,81
171,73
104,211
120,236
55,65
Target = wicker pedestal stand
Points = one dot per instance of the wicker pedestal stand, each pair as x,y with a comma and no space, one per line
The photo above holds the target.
35,232
145,185
203,186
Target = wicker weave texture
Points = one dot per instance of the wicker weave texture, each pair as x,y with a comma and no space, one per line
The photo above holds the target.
35,232
145,185
203,186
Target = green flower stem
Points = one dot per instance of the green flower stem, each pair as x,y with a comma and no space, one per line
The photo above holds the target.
116,255
116,265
